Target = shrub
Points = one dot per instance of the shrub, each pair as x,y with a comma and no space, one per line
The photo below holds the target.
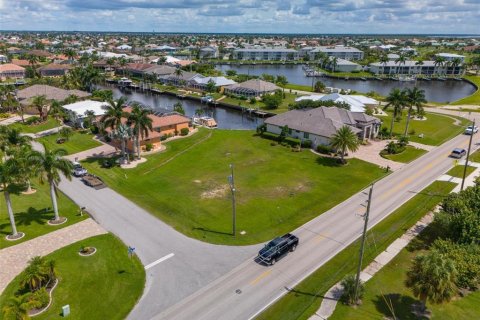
306,143
324,149
4,115
32,120
403,141
184,131
412,132
148,147
39,298
348,295
164,137
273,144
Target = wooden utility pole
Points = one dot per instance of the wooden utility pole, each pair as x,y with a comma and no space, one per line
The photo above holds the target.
468,154
362,246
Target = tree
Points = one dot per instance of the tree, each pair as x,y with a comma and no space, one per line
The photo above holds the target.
141,123
211,86
282,81
273,101
66,133
283,134
348,285
51,164
35,274
26,169
17,308
344,139
33,61
40,103
8,177
402,59
414,98
70,54
56,110
178,107
333,63
397,100
178,74
439,61
432,277
319,86
455,63
384,60
112,118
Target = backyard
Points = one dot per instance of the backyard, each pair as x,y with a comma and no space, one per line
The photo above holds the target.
103,286
79,141
32,212
277,189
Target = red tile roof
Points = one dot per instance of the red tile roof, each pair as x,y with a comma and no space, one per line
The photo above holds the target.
10,67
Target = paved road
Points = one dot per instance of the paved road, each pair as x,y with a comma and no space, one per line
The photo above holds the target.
250,288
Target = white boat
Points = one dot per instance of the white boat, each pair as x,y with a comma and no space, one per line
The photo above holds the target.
124,82
406,78
205,121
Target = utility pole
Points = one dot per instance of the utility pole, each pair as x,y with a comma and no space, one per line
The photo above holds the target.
362,246
468,154
232,188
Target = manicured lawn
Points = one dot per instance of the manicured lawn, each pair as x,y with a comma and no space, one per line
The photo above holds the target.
32,213
289,99
475,97
49,124
305,299
436,129
475,157
103,286
79,141
298,87
410,154
277,189
457,171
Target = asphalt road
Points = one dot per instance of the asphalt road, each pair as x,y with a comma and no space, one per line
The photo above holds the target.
250,288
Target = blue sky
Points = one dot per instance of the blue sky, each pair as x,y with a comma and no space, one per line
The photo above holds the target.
268,16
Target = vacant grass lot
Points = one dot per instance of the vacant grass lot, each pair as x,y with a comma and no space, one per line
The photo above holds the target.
79,141
277,189
457,171
103,286
475,97
49,124
32,213
305,299
436,129
410,154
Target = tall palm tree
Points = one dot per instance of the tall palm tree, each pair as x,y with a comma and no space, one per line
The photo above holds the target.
26,169
8,177
402,59
14,140
397,100
455,63
40,103
178,73
345,139
32,61
415,98
432,277
141,124
123,133
419,63
70,54
384,60
51,164
112,118
439,61
56,110
334,63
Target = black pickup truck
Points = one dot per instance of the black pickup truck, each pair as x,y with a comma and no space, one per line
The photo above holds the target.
278,247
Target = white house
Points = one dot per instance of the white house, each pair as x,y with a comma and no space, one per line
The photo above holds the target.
341,52
78,111
357,103
451,56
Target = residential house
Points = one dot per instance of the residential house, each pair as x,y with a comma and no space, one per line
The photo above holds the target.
357,103
320,124
51,93
252,88
342,65
451,56
342,52
208,52
178,80
3,58
270,54
11,71
411,67
54,70
77,112
201,82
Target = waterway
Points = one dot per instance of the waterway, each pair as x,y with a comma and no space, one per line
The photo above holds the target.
435,90
226,118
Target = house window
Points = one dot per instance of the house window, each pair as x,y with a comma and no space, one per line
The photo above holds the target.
306,135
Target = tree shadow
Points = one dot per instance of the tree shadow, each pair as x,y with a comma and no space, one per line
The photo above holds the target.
33,215
212,231
400,304
328,162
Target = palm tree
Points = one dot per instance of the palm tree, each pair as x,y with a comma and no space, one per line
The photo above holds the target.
439,61
8,177
455,63
334,63
141,124
14,140
397,100
70,54
415,98
123,133
56,110
17,308
34,274
51,165
112,118
40,102
432,277
419,63
26,169
33,60
402,59
384,60
344,139
178,73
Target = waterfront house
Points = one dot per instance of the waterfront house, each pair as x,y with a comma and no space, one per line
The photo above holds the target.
252,88
11,71
357,103
54,70
51,93
411,67
267,54
208,52
77,112
343,65
341,52
451,56
201,82
320,124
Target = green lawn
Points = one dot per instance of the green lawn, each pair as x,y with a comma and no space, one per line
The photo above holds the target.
289,99
305,299
79,141
475,97
298,87
436,129
32,213
457,171
410,154
49,124
277,189
475,157
103,286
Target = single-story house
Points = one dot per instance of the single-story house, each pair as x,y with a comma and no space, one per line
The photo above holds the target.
357,103
78,111
343,65
11,71
320,124
208,52
178,80
51,93
201,82
54,70
252,88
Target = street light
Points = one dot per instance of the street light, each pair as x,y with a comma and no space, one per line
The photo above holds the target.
231,181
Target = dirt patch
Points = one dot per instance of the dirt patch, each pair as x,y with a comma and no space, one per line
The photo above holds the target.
215,192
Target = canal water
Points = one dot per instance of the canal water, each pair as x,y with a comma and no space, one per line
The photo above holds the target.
436,91
226,118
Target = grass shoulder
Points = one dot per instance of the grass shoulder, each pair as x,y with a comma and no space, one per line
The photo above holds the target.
79,141
473,99
457,171
408,155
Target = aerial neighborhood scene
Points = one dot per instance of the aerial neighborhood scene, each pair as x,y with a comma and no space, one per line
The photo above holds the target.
239,160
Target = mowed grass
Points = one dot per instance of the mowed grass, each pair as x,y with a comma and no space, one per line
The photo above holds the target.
436,129
32,212
79,141
475,157
103,286
457,171
410,154
289,99
305,299
473,99
277,189
49,124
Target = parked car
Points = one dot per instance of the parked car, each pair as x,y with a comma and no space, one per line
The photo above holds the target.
277,248
78,170
458,153
471,130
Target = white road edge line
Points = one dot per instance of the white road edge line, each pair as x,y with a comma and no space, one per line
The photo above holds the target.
154,263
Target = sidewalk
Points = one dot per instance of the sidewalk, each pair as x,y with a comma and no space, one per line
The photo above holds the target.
13,260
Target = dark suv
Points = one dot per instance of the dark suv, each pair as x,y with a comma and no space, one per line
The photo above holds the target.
277,248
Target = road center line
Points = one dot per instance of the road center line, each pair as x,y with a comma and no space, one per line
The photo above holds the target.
260,277
154,263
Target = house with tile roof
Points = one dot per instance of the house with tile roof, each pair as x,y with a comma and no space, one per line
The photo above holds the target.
252,88
54,70
11,71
